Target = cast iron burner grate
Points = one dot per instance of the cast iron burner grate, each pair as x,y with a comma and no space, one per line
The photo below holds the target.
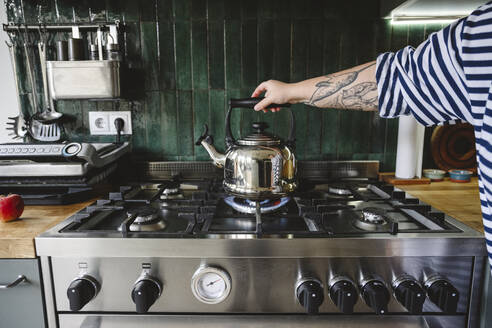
205,211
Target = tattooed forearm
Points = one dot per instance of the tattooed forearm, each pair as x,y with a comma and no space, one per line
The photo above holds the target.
346,90
331,86
361,96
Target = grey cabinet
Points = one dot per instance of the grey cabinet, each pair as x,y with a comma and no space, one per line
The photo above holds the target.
21,306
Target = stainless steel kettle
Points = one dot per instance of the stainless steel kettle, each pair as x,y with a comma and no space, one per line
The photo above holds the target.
259,166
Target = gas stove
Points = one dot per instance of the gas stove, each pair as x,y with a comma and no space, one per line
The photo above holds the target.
181,250
201,209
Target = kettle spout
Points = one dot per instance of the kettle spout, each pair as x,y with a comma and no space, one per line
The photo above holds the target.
207,142
218,158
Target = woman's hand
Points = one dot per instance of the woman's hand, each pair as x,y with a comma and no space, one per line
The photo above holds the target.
276,92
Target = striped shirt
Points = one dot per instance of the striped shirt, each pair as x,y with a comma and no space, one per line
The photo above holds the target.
448,78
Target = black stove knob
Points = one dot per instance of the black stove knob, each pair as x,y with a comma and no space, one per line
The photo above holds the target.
410,294
344,294
145,292
310,295
443,294
376,296
81,291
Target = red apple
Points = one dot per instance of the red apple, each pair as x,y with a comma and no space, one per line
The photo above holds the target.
11,207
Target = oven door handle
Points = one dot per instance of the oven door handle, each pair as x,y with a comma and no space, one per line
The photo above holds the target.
20,279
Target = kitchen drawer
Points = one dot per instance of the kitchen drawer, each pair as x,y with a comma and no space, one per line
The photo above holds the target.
21,306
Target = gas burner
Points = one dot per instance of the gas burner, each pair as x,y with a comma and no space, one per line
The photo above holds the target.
339,189
147,218
170,190
372,219
249,207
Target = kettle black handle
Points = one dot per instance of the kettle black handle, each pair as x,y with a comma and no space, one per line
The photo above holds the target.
251,103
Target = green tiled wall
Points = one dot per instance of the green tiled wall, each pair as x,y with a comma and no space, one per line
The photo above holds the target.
187,57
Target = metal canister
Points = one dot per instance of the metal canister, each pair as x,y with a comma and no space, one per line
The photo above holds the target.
61,50
113,52
93,52
75,49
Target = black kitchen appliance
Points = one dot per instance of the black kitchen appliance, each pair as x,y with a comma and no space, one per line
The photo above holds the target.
57,173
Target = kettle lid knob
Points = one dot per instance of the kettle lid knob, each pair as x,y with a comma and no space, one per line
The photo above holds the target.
259,127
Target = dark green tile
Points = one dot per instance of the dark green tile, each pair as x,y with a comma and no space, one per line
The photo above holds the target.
201,117
167,74
198,9
316,49
233,54
185,123
80,10
366,39
281,50
216,54
249,9
217,117
399,37
232,9
308,9
133,75
153,127
299,50
131,12
249,59
183,55
230,46
41,11
165,10
148,10
114,10
97,11
301,116
265,50
384,31
169,123
199,54
182,9
314,133
139,123
330,128
416,35
15,14
267,9
282,8
216,10
149,55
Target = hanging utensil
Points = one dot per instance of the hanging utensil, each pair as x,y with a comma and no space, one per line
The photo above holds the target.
45,132
30,72
38,130
48,115
17,124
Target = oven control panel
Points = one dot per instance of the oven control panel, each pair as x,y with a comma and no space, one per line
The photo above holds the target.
276,285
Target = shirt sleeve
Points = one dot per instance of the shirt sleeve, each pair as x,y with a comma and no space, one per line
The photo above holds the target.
428,82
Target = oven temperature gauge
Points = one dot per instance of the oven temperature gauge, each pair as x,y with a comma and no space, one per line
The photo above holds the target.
211,285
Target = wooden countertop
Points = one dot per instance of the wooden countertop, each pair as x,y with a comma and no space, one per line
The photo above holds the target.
17,237
459,200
